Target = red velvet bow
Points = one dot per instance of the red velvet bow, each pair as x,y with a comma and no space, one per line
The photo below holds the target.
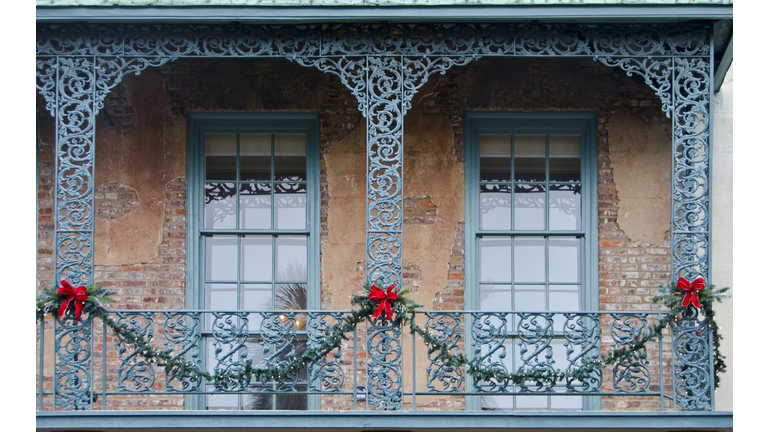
386,300
691,296
77,294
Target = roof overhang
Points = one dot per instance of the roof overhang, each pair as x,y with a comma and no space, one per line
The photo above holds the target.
339,14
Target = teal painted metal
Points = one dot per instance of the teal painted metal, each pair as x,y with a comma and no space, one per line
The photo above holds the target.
311,15
383,66
725,64
270,339
358,420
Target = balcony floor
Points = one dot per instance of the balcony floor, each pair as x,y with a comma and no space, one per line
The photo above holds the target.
166,421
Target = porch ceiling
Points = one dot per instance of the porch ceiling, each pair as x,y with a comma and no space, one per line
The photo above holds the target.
147,421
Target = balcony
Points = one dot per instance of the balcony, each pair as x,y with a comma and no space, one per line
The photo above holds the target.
379,373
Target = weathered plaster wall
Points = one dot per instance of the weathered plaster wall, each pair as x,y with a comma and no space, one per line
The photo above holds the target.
722,228
142,253
640,156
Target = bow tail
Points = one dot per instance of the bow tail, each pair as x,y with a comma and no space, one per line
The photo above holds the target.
63,307
78,309
695,299
377,314
687,299
388,308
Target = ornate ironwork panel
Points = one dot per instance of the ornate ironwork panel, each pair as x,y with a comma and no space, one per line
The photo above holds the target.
230,351
489,332
327,375
631,376
383,66
73,366
535,333
447,328
135,374
582,344
181,331
385,365
691,348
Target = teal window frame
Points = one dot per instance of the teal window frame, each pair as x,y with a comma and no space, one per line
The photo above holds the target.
198,125
538,123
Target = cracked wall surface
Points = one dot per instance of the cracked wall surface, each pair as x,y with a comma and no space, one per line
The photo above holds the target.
142,253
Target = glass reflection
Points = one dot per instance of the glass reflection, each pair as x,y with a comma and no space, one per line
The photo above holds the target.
495,206
565,207
220,156
255,205
564,259
290,205
529,207
496,259
495,157
255,157
291,258
529,259
530,158
565,158
290,157
221,258
256,265
220,206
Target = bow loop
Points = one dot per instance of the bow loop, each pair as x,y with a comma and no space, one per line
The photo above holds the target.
386,300
77,295
691,288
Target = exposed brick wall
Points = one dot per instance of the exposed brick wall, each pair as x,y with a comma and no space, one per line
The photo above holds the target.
419,210
629,271
114,201
452,296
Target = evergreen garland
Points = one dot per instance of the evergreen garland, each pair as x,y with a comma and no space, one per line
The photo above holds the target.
404,311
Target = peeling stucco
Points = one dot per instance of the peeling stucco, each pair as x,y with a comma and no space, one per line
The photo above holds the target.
641,157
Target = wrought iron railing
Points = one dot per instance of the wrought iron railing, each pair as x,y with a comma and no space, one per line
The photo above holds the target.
84,366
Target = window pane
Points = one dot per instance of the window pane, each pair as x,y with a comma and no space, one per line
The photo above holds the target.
290,205
529,207
528,403
290,157
530,298
255,205
565,158
495,206
220,156
530,158
495,157
529,259
564,259
255,157
495,297
257,258
219,297
495,259
565,207
291,296
256,297
220,401
220,206
564,298
221,258
291,258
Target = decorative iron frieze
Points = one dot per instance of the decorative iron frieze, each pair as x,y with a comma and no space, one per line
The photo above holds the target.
383,66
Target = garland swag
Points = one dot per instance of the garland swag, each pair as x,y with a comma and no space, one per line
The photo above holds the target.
679,298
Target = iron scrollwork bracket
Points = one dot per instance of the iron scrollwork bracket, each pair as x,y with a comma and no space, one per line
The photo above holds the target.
383,66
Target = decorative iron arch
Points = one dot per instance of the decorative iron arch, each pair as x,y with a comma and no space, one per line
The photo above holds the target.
383,66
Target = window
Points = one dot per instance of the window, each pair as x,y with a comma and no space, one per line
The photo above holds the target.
531,237
253,230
